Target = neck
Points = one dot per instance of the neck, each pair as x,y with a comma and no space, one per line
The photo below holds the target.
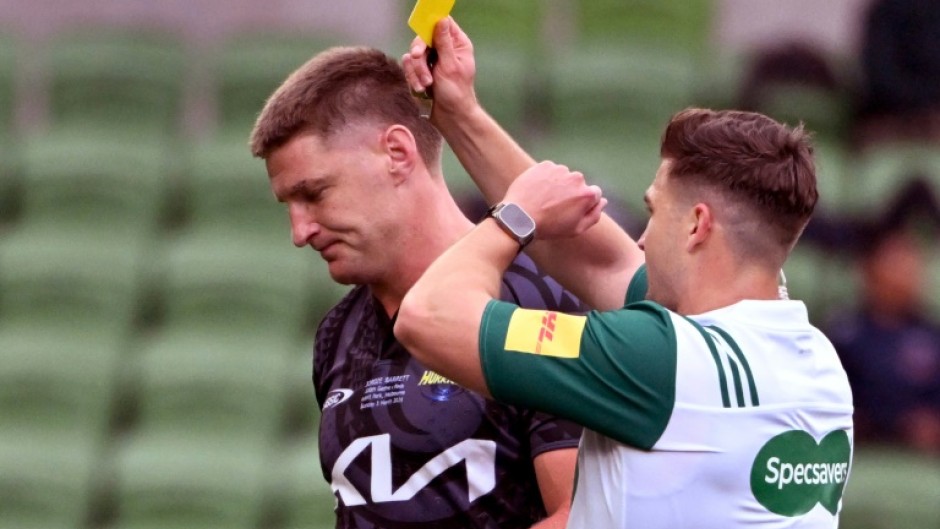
714,288
434,225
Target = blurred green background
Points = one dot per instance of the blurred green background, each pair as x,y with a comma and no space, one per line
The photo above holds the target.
156,323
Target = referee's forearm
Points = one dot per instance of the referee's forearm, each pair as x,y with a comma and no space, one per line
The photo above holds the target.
488,153
439,319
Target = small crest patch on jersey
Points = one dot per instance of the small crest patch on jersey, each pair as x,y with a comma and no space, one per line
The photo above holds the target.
437,387
430,377
545,333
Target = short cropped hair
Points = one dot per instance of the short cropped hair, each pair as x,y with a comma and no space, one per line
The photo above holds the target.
338,87
751,160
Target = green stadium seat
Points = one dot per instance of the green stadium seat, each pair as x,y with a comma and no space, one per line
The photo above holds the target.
508,40
458,181
517,24
212,385
676,23
623,163
8,70
511,85
823,281
250,67
300,494
57,384
223,280
303,413
9,149
612,87
10,189
46,483
877,172
719,76
69,281
832,162
130,82
78,181
177,482
890,488
824,112
225,186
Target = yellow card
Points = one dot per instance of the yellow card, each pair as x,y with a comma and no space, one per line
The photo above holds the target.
426,15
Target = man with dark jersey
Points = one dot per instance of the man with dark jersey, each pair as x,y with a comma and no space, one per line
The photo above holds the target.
359,170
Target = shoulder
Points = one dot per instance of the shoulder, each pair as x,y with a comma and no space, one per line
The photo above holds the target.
524,284
646,329
639,285
638,317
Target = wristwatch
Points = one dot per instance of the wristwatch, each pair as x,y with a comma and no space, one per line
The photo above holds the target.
514,221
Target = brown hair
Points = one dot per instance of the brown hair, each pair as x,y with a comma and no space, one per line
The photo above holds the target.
337,87
759,165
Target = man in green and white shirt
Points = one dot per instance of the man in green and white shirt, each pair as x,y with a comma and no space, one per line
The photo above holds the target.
721,411
708,398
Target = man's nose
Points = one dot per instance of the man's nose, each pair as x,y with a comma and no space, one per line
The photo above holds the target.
303,226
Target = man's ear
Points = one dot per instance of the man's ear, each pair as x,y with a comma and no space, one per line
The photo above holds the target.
402,151
700,225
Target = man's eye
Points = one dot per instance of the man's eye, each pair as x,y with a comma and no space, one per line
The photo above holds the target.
313,195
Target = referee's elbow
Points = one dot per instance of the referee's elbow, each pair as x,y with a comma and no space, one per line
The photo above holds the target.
413,318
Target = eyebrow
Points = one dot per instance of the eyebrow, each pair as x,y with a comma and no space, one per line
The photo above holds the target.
307,185
302,186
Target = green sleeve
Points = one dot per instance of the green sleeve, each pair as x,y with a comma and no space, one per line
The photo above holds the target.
620,382
639,284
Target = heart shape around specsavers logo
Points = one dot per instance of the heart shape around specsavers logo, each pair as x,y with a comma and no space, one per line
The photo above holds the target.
792,472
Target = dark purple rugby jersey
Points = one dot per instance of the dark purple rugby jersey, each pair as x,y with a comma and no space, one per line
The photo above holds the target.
403,447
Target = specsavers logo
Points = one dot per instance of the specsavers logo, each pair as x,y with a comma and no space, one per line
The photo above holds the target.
792,473
545,333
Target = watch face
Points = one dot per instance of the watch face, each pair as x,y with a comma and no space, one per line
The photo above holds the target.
517,220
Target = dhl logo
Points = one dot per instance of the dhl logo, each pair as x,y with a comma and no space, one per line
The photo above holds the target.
545,333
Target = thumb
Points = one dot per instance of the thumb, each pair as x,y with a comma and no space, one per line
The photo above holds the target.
443,39
458,35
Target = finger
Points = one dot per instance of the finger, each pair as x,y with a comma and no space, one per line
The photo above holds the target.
422,72
597,192
417,48
593,216
419,52
411,76
455,27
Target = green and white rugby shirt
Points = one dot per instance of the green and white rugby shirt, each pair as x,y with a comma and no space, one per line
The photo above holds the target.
739,417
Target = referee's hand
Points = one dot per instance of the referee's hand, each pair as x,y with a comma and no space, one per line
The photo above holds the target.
453,74
558,199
